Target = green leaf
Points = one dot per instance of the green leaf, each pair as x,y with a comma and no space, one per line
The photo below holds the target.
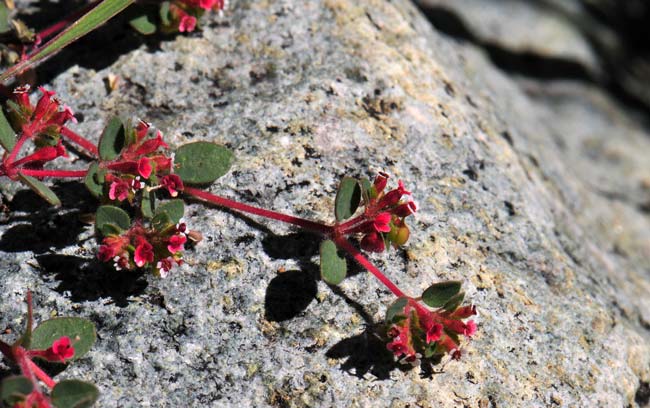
80,331
440,293
333,267
74,394
97,16
173,208
5,25
94,180
110,220
112,140
164,13
40,188
143,25
454,302
366,189
14,389
161,221
7,134
395,311
348,198
202,162
148,204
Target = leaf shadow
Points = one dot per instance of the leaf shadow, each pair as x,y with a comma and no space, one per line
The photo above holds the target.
83,279
44,227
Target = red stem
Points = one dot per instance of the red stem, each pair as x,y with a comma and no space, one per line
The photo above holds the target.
54,173
363,261
79,140
224,202
47,380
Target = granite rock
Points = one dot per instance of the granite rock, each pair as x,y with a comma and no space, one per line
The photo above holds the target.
533,192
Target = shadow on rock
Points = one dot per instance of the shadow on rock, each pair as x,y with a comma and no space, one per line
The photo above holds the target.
97,50
289,293
365,353
85,279
46,227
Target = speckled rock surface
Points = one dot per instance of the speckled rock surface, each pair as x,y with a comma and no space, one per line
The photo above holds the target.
534,193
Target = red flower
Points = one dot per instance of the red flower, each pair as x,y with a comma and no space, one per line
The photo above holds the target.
144,167
176,243
119,190
172,183
187,23
434,333
62,348
470,329
164,266
105,253
143,252
381,222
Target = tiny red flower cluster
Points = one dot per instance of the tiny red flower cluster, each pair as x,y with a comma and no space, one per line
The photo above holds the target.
386,212
140,247
184,13
141,165
42,124
418,331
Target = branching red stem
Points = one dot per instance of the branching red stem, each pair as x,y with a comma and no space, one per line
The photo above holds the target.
19,144
41,375
54,173
224,202
343,243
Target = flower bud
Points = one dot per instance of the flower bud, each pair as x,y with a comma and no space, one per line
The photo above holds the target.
380,182
399,234
405,209
373,242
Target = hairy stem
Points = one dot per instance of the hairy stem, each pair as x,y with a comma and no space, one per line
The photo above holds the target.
289,219
343,243
80,141
54,173
41,375
19,144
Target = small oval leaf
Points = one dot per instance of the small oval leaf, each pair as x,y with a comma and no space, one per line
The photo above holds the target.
173,208
41,189
7,134
94,180
112,139
333,267
202,162
110,219
14,389
80,331
143,25
161,221
395,311
348,198
454,302
148,204
438,294
74,394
